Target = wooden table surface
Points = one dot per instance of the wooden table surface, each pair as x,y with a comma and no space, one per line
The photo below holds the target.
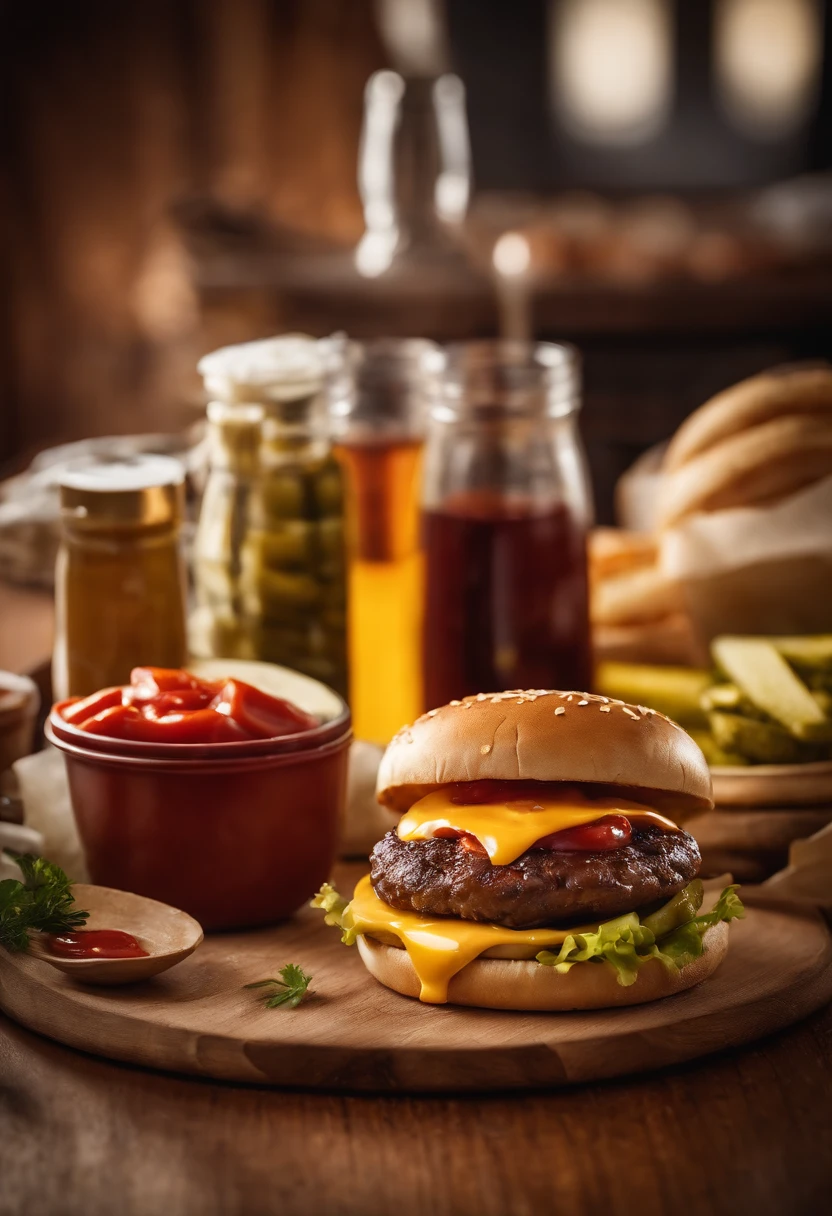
749,1131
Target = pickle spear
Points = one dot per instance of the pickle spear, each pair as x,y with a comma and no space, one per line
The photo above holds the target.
811,652
721,696
759,742
717,757
674,691
764,676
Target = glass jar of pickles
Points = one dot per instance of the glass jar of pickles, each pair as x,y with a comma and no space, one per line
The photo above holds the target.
269,560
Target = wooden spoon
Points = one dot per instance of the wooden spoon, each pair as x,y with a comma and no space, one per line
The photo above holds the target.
167,935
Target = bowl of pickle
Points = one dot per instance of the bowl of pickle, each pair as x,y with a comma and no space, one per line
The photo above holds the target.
762,715
769,712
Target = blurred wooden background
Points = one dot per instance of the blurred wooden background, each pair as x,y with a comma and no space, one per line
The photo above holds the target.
116,113
176,173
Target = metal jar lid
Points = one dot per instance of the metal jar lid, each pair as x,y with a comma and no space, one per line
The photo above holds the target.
137,491
272,371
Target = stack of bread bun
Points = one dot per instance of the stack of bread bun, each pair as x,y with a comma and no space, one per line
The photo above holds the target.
753,444
744,506
742,544
743,519
638,614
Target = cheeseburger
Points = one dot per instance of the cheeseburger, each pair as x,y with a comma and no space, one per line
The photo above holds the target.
537,862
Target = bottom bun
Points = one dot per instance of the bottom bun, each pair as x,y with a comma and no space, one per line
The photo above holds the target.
497,983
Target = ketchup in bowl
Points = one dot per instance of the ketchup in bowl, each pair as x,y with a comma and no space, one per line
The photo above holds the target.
208,794
167,705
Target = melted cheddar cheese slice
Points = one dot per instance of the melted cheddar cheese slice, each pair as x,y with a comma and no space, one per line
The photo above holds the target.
507,829
441,947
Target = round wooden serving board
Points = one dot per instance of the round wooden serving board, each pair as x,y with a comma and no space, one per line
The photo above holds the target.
355,1035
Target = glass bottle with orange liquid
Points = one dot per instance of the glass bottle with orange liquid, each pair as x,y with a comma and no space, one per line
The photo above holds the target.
506,507
378,394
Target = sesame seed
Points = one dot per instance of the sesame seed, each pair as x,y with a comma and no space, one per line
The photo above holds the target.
560,710
467,704
485,749
569,697
584,702
481,696
456,702
432,713
627,710
496,700
606,700
606,709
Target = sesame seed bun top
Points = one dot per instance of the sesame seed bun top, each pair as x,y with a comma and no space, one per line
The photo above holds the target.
546,735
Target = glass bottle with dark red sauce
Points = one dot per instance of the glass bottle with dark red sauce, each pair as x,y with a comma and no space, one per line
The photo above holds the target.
506,508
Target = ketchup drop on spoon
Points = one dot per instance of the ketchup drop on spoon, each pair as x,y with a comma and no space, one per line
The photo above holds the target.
95,943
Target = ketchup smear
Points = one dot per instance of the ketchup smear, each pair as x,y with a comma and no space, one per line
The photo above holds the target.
608,832
603,834
95,943
167,705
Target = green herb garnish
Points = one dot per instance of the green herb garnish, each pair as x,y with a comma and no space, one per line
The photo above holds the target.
290,989
42,902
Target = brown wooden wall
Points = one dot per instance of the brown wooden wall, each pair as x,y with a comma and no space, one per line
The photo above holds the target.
113,114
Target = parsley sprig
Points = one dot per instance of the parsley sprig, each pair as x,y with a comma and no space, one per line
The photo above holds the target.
289,990
41,902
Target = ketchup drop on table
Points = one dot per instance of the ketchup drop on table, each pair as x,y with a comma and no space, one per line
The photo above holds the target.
95,943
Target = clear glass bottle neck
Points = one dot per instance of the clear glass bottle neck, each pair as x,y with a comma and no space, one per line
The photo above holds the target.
496,382
382,388
503,430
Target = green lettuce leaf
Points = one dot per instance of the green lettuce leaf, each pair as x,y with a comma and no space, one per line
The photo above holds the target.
673,934
684,943
336,912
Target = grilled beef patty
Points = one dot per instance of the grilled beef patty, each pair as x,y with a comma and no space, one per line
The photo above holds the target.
441,878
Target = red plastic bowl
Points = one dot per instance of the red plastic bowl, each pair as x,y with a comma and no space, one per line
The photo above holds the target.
235,834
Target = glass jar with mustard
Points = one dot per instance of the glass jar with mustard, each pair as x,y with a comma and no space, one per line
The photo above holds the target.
120,577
